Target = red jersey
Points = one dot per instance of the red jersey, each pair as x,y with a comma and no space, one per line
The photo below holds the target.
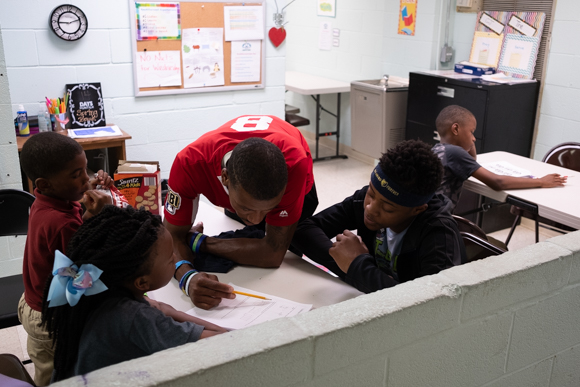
197,169
51,225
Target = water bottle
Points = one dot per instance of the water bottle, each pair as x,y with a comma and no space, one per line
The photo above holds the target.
22,119
43,119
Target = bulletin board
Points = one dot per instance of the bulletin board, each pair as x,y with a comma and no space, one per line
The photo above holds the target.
193,15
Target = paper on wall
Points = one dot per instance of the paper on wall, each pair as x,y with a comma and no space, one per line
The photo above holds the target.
325,36
158,68
203,57
158,21
246,61
244,23
244,311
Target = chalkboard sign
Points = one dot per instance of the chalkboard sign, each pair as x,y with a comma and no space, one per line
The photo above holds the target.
85,105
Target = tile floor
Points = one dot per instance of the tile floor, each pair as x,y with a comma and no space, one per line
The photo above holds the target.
335,180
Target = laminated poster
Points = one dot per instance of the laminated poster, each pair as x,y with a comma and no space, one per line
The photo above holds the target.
158,21
203,57
407,17
518,56
85,105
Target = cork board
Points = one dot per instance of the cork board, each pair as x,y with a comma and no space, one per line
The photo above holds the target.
193,14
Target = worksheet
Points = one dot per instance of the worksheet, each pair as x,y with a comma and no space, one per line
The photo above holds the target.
507,169
245,311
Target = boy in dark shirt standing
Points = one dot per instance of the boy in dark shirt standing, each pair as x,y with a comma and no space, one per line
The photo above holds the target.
456,126
405,231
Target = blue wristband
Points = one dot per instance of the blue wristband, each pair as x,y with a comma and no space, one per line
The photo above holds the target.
178,265
183,280
195,241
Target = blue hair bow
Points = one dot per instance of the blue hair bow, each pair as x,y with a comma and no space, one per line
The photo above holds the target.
70,283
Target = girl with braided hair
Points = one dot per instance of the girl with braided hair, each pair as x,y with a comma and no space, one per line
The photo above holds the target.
94,307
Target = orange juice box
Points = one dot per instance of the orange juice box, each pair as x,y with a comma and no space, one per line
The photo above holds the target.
140,183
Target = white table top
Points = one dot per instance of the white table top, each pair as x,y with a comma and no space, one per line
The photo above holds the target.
308,84
559,204
296,279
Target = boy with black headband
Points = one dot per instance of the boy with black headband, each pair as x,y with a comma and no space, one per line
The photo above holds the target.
404,229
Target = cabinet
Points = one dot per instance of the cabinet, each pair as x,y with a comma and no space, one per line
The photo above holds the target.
505,114
377,115
505,117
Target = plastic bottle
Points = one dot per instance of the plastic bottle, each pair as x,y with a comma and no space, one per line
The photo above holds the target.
22,118
43,119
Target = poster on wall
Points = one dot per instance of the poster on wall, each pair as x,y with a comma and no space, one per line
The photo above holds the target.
246,61
85,105
158,68
203,57
327,8
158,21
244,23
407,17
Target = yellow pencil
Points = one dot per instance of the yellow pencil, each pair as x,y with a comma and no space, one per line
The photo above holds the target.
250,295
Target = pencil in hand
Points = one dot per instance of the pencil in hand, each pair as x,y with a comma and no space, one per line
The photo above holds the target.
251,295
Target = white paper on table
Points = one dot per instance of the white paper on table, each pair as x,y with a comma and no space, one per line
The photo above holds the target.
100,131
158,68
506,169
156,21
203,57
502,78
325,36
246,61
244,311
244,23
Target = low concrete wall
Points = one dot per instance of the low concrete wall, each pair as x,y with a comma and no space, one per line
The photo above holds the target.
510,320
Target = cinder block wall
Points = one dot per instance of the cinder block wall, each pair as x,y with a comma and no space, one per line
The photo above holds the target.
510,320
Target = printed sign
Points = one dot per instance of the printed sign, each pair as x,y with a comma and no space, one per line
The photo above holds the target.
407,17
491,23
85,105
158,21
521,26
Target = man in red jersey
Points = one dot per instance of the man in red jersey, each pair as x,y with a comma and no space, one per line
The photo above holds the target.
257,168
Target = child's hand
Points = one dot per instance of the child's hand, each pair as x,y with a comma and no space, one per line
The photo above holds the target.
101,178
153,303
552,180
347,247
95,200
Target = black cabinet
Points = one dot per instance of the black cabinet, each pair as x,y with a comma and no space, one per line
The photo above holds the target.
505,114
505,117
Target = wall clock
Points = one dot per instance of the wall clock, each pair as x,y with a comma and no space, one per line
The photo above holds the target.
68,22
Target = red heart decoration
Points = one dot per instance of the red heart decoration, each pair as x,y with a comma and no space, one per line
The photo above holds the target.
277,35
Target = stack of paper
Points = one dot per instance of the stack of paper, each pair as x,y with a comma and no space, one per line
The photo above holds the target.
244,311
100,131
502,78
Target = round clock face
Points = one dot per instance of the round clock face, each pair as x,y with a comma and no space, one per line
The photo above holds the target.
68,22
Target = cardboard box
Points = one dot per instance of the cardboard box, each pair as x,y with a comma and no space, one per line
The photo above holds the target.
473,69
140,183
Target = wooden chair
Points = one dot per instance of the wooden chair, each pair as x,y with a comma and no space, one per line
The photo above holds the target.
566,155
14,211
12,367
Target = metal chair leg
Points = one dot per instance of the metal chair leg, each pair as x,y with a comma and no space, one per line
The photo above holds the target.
537,231
517,219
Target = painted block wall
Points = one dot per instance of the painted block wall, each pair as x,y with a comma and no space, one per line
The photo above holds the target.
559,114
369,47
38,63
11,248
509,320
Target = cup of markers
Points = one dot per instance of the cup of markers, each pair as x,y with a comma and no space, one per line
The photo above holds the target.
57,109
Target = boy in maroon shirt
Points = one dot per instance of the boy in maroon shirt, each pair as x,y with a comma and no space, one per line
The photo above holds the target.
58,167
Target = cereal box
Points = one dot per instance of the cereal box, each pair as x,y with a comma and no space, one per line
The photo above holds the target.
140,183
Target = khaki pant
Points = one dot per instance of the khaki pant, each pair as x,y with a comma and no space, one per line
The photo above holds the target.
39,345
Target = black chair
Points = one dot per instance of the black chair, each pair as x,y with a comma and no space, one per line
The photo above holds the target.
566,155
465,225
478,248
296,120
12,367
14,211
